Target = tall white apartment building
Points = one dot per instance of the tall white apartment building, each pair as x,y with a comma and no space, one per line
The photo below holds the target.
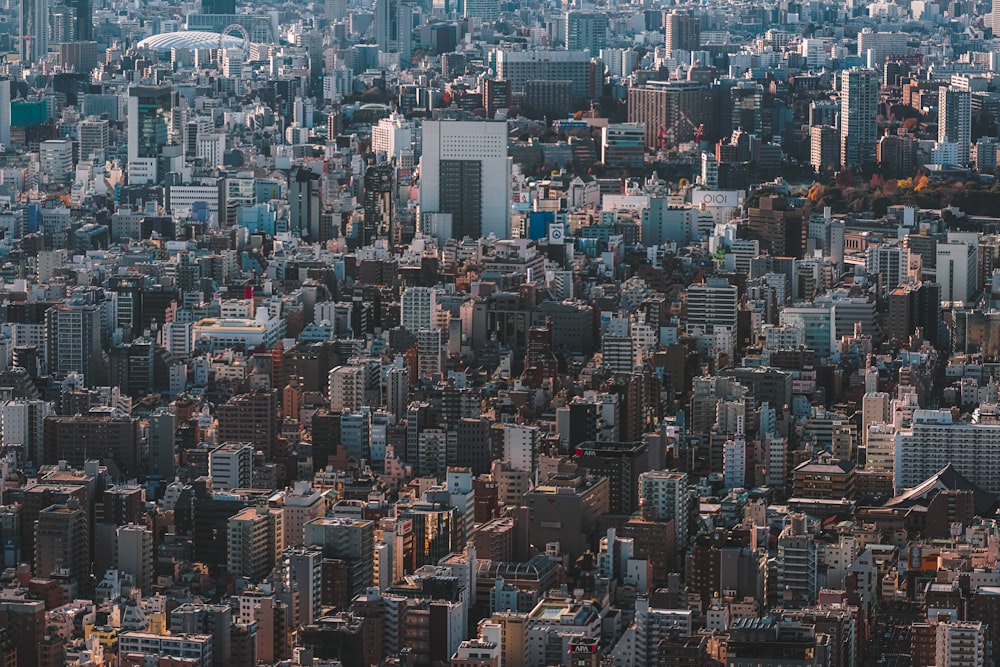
934,440
347,388
859,111
955,121
392,135
417,308
669,493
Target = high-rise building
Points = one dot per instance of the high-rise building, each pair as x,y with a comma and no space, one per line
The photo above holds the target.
349,540
62,541
94,136
859,110
134,554
218,6
392,136
519,67
711,306
254,539
22,423
230,465
397,384
962,644
149,109
304,205
621,463
34,30
934,440
668,493
465,171
160,442
782,228
102,433
487,10
496,96
586,31
5,112
251,418
379,200
671,111
394,28
83,19
682,31
955,121
824,148
957,269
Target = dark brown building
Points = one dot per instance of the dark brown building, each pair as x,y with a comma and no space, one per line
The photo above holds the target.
780,228
251,418
96,435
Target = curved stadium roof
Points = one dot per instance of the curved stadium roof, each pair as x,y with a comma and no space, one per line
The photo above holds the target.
189,39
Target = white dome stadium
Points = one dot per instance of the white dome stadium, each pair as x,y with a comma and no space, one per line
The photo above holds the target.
189,39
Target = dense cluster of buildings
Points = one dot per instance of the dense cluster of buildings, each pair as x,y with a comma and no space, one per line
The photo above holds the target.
486,334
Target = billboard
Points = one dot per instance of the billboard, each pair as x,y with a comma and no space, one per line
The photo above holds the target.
715,198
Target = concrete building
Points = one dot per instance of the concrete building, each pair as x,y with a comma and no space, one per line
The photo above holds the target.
955,122
586,31
859,109
230,465
934,439
254,539
465,171
564,509
957,269
134,555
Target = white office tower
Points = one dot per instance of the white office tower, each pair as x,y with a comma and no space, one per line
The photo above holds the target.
177,339
393,135
55,159
230,465
668,493
958,267
734,459
465,171
94,135
955,121
859,110
22,423
417,308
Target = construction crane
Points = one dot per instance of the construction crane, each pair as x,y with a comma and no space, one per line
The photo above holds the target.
665,137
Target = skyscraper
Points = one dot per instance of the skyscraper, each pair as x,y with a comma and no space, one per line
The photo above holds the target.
62,541
5,112
378,202
83,15
34,30
586,30
465,171
149,109
303,204
682,31
73,337
394,28
955,121
859,108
